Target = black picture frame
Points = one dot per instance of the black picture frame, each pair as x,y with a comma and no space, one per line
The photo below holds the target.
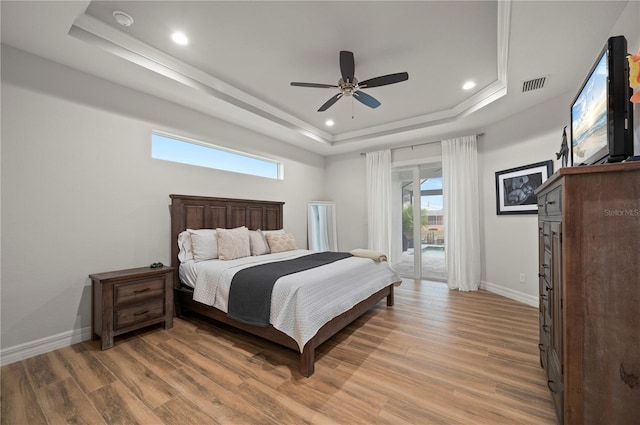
515,188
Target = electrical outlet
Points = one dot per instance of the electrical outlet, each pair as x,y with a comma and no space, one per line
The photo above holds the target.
522,278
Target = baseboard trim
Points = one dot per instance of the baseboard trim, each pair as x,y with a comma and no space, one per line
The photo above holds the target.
44,345
510,293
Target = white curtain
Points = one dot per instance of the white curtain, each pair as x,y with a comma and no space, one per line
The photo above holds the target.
461,212
379,200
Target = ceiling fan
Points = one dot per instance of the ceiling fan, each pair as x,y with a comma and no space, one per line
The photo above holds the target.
350,86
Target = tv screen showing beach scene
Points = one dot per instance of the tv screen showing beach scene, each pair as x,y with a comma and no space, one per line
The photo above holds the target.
589,116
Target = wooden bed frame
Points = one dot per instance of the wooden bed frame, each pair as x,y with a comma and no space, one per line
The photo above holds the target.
198,212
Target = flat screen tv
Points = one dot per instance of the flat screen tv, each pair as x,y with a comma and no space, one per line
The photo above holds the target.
601,113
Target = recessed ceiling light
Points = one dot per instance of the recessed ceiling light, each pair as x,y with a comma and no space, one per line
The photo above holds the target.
329,123
122,18
179,38
468,85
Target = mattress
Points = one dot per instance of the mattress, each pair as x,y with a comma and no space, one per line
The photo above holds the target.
301,303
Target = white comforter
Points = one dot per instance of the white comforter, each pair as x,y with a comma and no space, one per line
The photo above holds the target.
303,302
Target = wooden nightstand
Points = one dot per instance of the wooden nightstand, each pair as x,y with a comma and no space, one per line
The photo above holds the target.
126,300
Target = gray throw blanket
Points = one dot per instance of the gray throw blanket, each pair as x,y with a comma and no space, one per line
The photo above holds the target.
251,288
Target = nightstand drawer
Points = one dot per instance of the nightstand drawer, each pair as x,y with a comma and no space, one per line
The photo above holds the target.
126,300
129,293
126,316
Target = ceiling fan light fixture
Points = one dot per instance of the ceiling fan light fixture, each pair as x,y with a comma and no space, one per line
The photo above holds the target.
179,38
348,87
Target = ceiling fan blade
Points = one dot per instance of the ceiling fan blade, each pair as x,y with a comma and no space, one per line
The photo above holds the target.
366,99
384,80
316,85
330,102
347,65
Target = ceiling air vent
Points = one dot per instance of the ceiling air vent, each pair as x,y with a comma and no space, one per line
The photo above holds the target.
535,84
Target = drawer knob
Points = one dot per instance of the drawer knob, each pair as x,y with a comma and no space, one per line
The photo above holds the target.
549,382
545,266
545,328
139,291
141,313
550,202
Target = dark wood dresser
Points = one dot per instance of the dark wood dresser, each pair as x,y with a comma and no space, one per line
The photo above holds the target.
126,300
589,259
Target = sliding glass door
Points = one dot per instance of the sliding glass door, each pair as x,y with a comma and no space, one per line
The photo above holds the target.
418,222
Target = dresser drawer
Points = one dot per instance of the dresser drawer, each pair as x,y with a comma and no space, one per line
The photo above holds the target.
133,292
542,210
543,346
555,383
553,201
139,313
546,269
546,234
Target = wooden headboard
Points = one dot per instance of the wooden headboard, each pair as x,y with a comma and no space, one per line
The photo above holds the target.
202,212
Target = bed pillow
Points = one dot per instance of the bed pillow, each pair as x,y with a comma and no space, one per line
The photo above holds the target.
233,243
279,242
264,234
258,243
204,243
272,232
185,247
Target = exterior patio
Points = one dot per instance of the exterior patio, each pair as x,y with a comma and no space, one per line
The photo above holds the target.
433,263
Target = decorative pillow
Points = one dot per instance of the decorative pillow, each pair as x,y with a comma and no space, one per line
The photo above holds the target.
272,232
233,243
185,247
258,243
281,242
204,243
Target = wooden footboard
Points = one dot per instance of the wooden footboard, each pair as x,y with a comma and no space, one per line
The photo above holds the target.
184,301
308,355
184,298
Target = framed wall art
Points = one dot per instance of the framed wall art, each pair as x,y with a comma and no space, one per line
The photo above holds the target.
515,188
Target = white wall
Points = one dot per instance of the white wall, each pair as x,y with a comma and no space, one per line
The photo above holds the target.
346,184
81,194
510,242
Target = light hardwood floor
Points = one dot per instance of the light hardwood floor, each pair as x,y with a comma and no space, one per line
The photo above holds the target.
436,357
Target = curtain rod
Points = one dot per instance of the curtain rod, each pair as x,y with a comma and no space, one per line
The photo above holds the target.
419,144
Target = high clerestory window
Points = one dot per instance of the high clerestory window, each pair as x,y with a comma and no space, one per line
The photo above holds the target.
185,151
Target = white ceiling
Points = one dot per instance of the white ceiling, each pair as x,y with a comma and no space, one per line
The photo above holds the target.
243,55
